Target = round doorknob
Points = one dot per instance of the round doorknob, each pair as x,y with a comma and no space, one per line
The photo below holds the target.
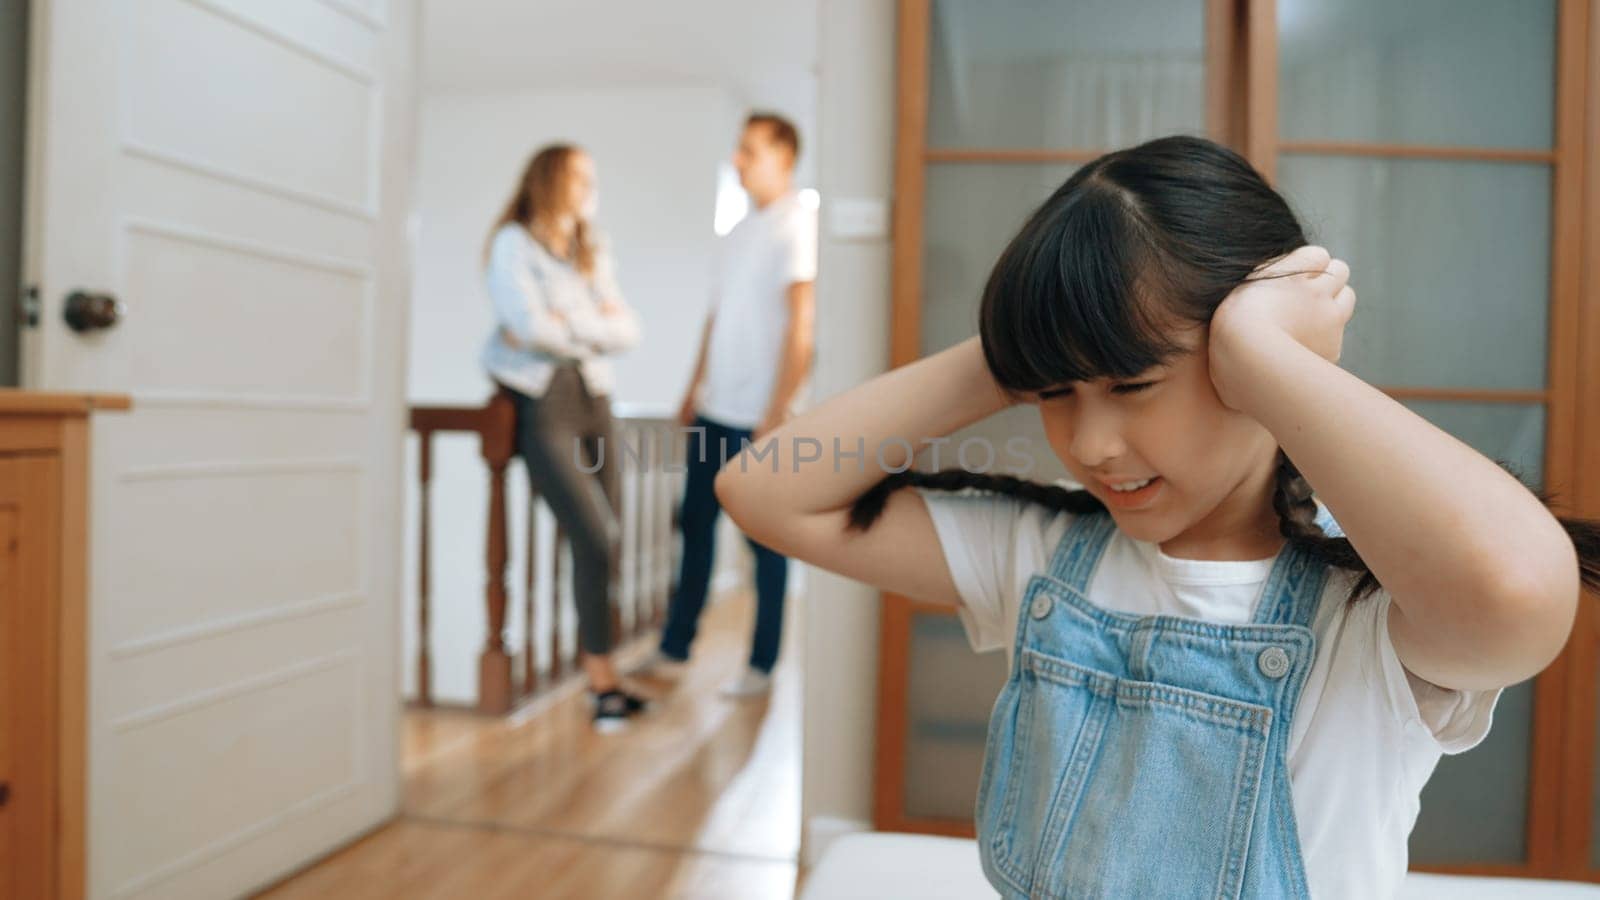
85,311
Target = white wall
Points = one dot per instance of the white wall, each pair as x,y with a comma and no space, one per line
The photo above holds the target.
761,52
656,151
855,124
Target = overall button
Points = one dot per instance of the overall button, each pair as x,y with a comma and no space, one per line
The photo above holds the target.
1273,662
1041,606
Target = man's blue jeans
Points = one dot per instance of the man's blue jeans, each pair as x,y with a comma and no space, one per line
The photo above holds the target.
700,511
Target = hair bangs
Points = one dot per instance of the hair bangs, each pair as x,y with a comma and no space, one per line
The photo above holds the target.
1075,297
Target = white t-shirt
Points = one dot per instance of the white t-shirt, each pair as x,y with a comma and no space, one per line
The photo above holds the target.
1366,733
769,250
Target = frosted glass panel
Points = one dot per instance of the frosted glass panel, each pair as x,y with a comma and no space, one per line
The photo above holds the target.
1508,432
971,211
1450,262
1477,73
1475,808
1096,74
950,694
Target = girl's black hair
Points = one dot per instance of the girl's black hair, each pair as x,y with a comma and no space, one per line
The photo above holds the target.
1133,244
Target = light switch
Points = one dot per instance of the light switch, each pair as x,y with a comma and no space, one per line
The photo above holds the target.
858,218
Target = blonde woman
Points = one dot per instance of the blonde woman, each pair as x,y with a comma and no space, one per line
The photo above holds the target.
558,316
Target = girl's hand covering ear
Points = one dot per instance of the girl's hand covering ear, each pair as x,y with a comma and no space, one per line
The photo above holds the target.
1304,297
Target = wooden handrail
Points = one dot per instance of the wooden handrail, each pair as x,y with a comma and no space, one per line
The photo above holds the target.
643,582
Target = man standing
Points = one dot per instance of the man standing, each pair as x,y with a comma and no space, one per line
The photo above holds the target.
754,356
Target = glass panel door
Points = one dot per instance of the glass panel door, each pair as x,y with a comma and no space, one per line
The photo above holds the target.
1417,141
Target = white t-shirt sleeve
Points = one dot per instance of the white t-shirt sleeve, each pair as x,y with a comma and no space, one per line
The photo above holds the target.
977,532
1458,720
800,247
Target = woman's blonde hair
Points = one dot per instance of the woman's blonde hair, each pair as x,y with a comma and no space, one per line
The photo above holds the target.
538,191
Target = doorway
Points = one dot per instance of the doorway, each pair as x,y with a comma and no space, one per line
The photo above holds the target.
657,98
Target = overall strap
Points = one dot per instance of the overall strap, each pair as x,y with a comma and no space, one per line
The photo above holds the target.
1294,588
1079,551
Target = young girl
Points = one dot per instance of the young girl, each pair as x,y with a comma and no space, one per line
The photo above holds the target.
1212,693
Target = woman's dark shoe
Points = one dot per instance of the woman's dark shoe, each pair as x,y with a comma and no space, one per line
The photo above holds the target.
614,709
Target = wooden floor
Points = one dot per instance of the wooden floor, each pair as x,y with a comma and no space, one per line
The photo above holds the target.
699,800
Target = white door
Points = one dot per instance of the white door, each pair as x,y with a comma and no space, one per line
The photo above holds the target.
236,173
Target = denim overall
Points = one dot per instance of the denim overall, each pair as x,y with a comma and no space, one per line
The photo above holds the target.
1145,756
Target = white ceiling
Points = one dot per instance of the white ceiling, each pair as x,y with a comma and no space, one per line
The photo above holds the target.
755,47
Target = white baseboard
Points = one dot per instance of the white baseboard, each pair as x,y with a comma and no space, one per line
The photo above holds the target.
821,831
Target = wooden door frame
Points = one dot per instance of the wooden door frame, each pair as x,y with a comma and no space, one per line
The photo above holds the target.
1580,117
913,27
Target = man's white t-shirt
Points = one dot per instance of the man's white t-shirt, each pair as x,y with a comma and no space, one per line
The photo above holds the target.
769,250
1366,733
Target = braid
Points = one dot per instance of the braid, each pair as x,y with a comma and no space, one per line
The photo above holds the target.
1297,522
1292,499
870,505
1585,534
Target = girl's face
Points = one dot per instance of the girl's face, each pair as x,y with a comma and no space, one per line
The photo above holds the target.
1166,457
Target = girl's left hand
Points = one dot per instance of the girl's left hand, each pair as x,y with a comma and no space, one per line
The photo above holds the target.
1303,298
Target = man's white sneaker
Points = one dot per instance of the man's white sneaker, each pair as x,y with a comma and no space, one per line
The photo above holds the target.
753,683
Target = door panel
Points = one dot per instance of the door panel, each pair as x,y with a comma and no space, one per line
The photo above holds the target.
1418,143
1430,72
236,174
1433,272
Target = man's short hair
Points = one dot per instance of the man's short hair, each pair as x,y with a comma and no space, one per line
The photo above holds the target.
780,130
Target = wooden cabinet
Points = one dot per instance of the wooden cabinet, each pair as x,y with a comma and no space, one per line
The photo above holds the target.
43,514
